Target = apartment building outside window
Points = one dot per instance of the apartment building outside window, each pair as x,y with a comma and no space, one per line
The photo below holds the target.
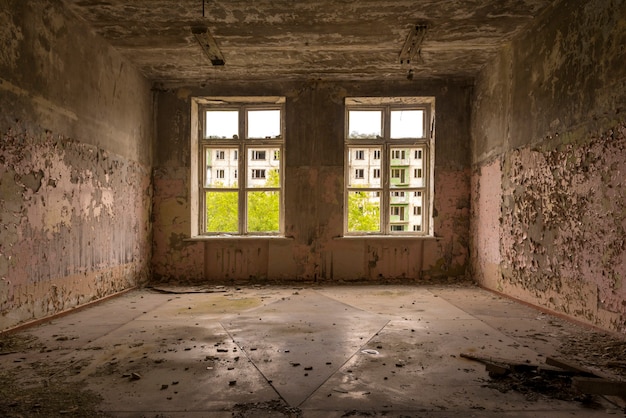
393,139
236,136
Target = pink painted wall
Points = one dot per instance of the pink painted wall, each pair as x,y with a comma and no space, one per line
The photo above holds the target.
314,249
75,165
549,157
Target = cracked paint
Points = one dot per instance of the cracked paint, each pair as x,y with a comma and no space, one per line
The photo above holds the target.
564,225
86,228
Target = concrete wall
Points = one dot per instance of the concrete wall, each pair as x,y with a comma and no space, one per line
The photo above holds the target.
75,165
549,160
313,192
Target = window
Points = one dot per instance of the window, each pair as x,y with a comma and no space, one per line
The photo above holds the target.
399,154
240,134
393,139
258,174
258,155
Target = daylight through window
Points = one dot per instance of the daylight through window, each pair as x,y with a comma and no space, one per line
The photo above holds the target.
389,153
241,137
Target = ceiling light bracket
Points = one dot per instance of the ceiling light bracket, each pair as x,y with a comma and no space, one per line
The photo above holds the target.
411,51
208,44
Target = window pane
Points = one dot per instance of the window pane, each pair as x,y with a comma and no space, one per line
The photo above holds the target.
222,124
363,211
364,124
220,167
407,124
221,212
263,210
416,208
406,167
264,124
264,167
364,167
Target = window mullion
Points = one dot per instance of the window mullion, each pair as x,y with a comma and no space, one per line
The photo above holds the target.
384,199
243,172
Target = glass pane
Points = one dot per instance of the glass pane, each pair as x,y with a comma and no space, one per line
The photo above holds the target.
416,211
264,167
406,167
364,167
363,211
222,212
364,124
399,210
264,124
407,124
263,211
220,169
222,124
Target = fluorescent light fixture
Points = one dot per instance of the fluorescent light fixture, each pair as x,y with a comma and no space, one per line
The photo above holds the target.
411,49
208,44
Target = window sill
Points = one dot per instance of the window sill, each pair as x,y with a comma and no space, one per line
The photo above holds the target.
389,237
238,238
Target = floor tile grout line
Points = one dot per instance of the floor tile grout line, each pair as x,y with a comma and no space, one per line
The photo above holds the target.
358,350
242,349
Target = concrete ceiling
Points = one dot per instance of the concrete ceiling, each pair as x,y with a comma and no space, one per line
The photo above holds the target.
291,39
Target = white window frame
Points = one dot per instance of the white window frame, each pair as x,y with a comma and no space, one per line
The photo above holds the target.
385,143
242,144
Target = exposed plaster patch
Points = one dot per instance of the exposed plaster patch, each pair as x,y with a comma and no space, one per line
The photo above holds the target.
564,224
67,212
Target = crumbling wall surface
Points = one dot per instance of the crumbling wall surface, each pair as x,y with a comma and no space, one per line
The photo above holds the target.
314,248
556,141
564,227
173,256
75,178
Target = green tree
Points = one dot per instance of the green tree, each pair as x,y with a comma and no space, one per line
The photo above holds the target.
363,213
264,207
222,211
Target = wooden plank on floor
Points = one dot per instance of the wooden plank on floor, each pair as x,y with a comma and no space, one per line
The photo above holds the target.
598,386
567,365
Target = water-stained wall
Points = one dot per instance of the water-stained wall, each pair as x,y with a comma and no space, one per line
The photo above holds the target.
75,165
549,162
314,181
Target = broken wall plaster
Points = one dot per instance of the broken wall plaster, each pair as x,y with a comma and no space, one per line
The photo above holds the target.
564,226
88,215
543,109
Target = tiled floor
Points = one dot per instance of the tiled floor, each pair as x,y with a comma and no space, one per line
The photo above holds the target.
390,351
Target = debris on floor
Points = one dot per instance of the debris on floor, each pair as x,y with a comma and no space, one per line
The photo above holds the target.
270,408
180,290
565,381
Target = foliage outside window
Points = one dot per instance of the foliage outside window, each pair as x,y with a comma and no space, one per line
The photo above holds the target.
389,154
241,137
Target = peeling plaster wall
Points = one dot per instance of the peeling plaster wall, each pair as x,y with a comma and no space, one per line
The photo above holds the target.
549,159
313,192
75,157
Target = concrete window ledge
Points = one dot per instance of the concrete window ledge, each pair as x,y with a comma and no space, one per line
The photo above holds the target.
239,238
389,237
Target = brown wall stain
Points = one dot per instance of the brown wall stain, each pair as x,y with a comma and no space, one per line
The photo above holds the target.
313,248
